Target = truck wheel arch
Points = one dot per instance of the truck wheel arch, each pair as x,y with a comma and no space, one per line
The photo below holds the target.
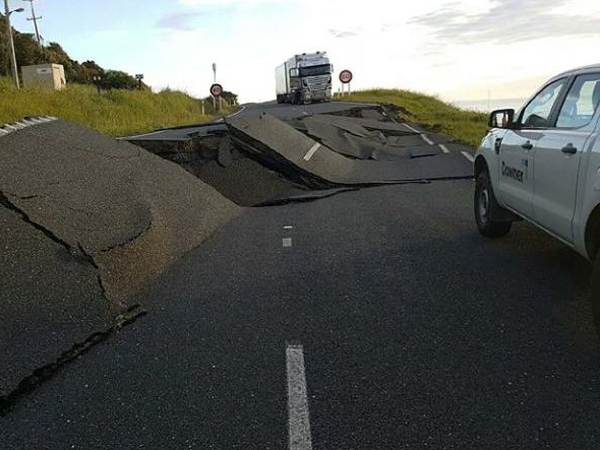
480,165
592,233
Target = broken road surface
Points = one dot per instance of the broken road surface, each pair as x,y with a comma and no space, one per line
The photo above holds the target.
373,318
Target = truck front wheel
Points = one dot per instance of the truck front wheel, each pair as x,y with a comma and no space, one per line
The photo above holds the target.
487,209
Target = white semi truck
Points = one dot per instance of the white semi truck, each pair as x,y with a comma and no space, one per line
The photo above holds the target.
542,164
304,78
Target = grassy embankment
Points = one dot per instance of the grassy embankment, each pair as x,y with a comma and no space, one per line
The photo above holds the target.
466,127
117,113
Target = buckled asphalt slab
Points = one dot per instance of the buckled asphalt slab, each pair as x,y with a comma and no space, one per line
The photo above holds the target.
353,124
278,140
85,222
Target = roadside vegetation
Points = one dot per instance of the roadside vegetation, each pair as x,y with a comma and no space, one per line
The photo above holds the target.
113,112
466,127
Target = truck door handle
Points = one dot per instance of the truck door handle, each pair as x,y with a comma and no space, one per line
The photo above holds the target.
569,149
497,145
527,145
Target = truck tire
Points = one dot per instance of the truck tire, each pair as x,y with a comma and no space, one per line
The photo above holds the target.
487,207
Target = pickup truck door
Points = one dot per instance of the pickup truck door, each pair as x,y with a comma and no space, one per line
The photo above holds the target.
558,157
517,149
515,181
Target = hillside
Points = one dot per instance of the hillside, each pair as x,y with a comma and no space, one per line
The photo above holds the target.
466,127
116,112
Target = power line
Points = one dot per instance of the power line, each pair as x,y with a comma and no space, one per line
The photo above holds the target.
35,18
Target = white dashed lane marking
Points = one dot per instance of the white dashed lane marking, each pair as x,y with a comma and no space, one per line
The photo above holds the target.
468,156
298,417
311,152
426,139
444,148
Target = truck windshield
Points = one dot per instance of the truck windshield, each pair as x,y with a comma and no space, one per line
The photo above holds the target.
315,70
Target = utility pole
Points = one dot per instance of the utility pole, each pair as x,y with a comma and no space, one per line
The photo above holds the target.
35,19
11,42
214,68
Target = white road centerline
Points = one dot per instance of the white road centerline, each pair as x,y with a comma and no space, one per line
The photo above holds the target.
298,417
312,151
288,227
468,156
444,148
426,139
287,242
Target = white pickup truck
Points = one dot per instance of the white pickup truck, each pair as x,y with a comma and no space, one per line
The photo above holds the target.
542,164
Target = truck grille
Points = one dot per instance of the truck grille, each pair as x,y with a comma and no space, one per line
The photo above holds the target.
318,82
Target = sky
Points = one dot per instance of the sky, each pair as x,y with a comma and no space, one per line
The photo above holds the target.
457,49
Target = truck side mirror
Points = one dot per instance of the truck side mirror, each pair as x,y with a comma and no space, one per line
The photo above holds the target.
502,118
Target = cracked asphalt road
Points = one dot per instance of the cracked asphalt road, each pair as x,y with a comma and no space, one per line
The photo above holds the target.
417,333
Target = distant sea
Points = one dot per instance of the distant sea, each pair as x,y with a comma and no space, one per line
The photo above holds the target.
490,105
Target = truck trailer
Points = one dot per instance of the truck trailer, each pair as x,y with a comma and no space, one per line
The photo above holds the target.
304,78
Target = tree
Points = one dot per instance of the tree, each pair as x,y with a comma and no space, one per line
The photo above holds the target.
115,79
27,50
230,97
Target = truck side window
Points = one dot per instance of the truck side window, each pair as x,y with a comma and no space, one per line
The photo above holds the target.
538,111
581,102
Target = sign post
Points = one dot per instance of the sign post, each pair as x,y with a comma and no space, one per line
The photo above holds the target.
216,90
214,69
345,78
139,77
97,79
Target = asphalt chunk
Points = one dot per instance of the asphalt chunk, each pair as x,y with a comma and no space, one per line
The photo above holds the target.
87,222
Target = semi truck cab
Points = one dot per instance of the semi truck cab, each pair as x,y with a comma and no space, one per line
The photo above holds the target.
305,78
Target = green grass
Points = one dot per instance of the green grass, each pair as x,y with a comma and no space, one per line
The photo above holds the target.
117,112
466,127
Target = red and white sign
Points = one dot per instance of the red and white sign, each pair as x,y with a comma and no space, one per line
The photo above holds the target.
346,76
216,90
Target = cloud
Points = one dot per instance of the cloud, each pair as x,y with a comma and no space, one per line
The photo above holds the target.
507,21
181,21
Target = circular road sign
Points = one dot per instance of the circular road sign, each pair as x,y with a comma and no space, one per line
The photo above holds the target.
346,76
216,90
